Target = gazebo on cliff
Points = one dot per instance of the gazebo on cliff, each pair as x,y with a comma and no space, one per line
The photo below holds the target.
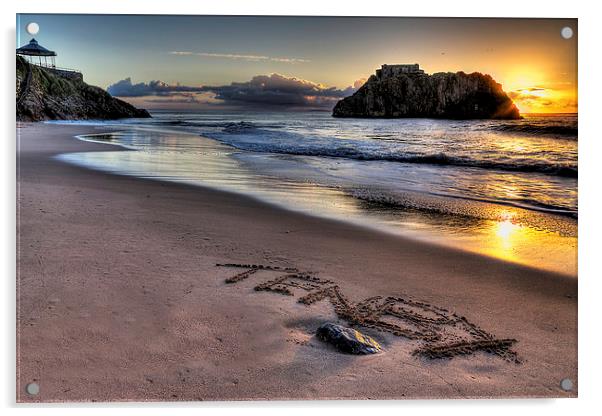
36,54
33,53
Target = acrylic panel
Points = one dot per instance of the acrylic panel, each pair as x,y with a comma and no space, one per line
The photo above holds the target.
295,208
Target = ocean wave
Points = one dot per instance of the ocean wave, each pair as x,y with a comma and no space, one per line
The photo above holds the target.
537,129
526,167
239,136
226,126
464,206
240,127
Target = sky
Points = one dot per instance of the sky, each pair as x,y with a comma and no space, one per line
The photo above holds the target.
188,62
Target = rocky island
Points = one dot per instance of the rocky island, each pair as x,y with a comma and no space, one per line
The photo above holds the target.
398,91
52,94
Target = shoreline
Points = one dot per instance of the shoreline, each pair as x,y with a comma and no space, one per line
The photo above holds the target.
485,229
84,233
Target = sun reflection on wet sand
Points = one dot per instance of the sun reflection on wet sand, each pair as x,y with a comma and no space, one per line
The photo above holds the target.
509,240
507,233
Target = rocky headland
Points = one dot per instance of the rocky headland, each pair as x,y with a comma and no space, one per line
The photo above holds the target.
398,91
46,94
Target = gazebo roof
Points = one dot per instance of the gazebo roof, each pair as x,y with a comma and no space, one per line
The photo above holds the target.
35,49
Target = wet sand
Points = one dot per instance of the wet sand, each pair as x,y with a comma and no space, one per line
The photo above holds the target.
120,299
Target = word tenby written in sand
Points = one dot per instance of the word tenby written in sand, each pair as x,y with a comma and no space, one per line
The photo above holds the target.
441,333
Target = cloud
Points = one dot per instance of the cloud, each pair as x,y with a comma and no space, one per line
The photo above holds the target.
530,93
358,83
252,58
125,88
534,99
277,89
530,98
519,95
261,90
184,98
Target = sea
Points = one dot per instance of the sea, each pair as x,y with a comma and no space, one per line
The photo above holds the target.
501,188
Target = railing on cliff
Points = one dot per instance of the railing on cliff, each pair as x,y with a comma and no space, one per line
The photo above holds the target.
64,72
67,73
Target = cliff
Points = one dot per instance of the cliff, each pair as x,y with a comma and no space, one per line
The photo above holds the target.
441,95
46,95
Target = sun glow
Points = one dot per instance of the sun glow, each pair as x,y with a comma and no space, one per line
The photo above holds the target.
506,232
522,77
534,91
505,229
538,90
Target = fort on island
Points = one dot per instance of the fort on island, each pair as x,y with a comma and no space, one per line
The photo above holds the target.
36,54
387,71
398,91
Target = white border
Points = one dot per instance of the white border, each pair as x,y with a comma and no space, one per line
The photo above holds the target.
590,203
467,8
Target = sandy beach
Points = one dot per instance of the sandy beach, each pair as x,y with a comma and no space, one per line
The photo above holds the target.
119,297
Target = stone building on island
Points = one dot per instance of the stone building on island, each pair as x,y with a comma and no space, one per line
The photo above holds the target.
387,71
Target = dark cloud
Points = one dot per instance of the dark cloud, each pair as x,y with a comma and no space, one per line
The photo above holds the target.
261,90
279,90
180,98
125,88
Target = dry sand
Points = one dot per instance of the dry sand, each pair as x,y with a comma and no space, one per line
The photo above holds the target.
119,298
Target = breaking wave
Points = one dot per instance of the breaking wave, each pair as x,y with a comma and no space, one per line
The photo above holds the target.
537,129
250,137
